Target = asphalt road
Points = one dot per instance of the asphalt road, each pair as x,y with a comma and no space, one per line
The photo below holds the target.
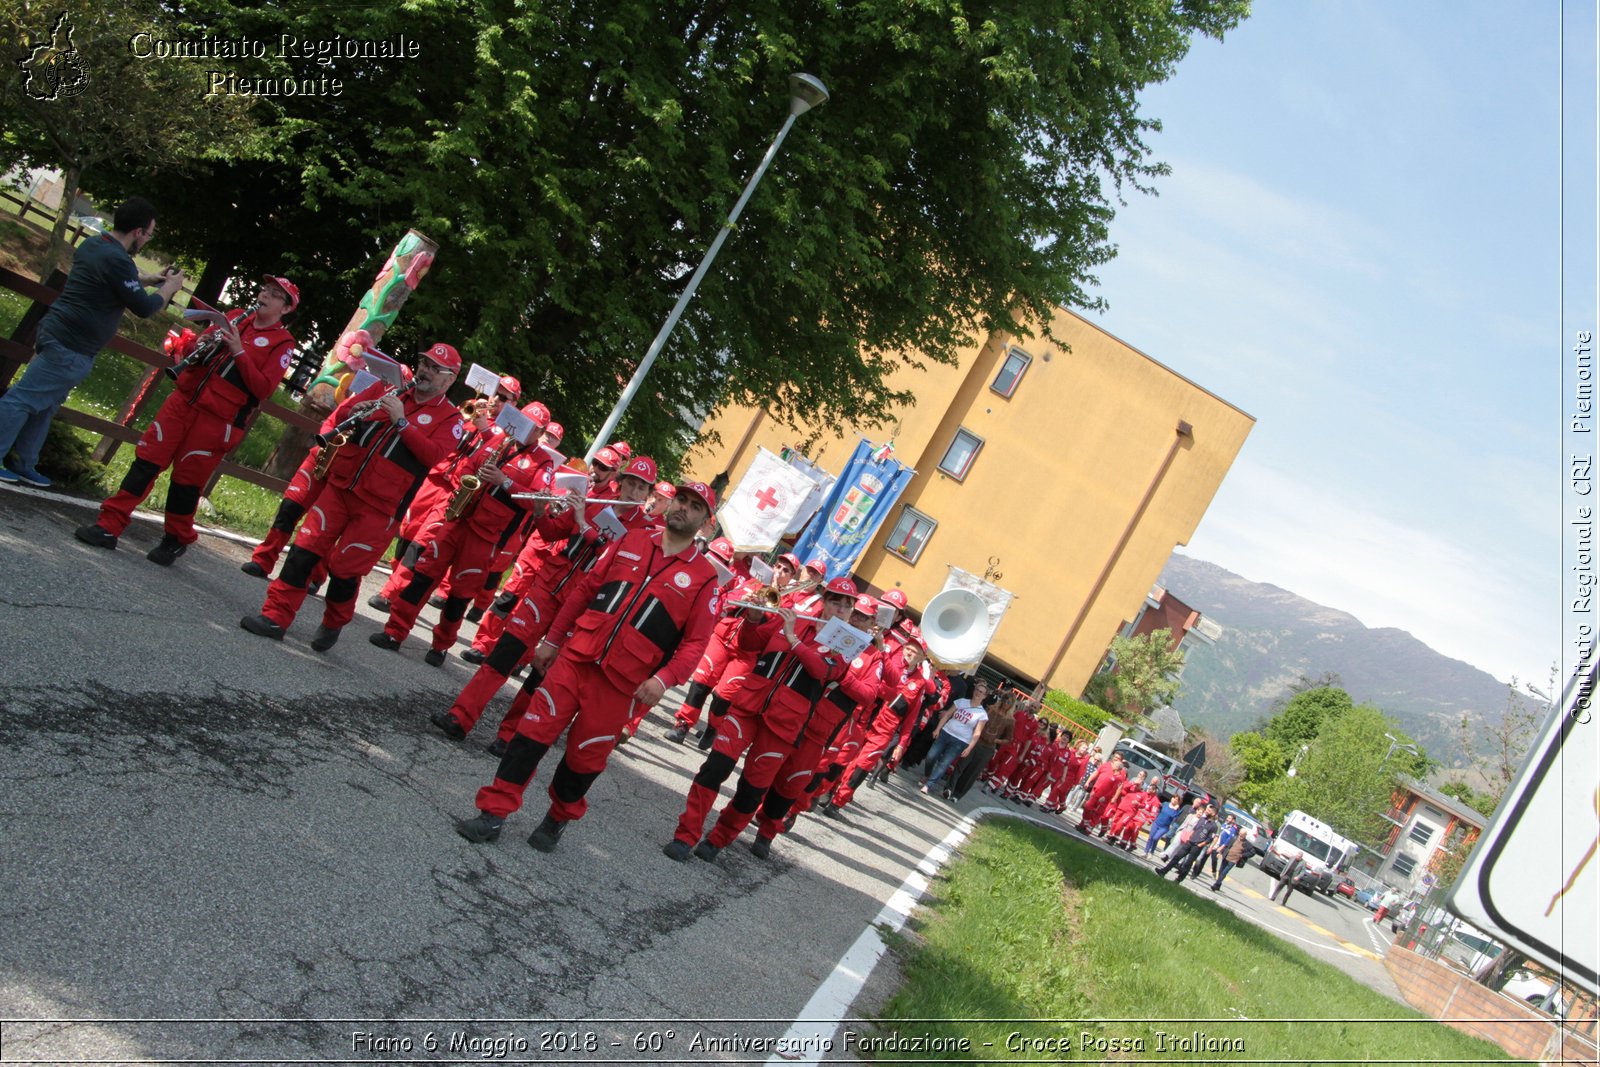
215,846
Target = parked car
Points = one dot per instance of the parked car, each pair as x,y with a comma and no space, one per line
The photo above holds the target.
1532,989
1346,888
1162,768
1470,948
1368,898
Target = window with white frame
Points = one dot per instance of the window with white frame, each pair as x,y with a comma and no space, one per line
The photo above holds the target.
959,456
1005,382
910,533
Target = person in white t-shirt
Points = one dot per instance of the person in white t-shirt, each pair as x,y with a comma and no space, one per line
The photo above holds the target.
958,733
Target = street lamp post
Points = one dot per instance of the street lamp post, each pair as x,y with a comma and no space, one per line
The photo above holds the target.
805,93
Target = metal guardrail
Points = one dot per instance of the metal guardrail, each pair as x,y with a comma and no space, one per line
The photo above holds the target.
17,350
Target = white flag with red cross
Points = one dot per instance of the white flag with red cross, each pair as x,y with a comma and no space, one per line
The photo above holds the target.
757,513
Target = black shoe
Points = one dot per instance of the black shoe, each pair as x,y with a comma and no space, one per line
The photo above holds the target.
96,535
546,834
705,850
447,723
378,602
832,810
472,655
434,657
497,747
624,736
436,601
788,822
325,638
262,626
678,850
474,614
761,847
708,737
254,569
481,829
383,640
677,734
167,552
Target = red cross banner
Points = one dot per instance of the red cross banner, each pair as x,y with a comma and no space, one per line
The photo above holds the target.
758,511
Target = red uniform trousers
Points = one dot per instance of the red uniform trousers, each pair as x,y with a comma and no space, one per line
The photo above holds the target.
524,630
454,548
880,736
574,693
742,731
1003,765
190,441
705,676
1096,808
1034,776
523,572
792,785
297,500
348,535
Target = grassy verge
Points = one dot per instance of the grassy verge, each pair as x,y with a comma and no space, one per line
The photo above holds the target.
1030,925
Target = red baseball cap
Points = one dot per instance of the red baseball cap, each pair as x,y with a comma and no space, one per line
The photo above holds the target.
866,605
666,489
537,412
895,597
555,430
623,449
444,355
607,458
818,567
840,586
722,548
642,468
792,560
290,289
511,387
701,490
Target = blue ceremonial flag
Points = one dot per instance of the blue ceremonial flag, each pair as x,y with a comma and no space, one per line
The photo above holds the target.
856,506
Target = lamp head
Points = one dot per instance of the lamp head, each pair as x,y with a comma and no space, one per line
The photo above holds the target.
805,93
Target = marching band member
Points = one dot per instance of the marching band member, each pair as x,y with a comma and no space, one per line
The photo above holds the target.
913,683
205,417
572,544
371,480
634,628
740,659
774,702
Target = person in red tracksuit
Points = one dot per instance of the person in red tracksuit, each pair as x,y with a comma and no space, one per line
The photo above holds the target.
1141,812
205,418
720,650
634,628
1071,773
841,749
1030,734
775,701
1107,783
370,482
464,547
573,545
914,684
740,658
428,506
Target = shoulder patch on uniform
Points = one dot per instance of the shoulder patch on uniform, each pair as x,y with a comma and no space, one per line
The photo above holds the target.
456,429
424,419
288,355
681,580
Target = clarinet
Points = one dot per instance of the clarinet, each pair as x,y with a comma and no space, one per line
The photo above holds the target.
362,411
206,350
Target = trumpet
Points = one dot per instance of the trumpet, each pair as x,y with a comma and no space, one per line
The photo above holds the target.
756,605
361,412
206,350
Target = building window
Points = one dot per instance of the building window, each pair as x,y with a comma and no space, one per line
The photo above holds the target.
1422,833
1005,383
910,534
959,456
1404,865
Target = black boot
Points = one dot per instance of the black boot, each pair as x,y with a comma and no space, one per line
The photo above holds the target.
546,834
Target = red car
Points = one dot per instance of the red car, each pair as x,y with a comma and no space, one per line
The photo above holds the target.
1347,887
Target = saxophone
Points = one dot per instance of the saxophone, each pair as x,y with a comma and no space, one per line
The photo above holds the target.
329,449
467,493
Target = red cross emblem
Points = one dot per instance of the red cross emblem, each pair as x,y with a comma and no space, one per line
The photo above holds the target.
767,498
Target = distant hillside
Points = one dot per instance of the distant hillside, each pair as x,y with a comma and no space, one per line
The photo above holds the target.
1271,637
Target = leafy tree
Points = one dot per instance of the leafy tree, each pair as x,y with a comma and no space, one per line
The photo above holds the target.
77,96
1483,803
1263,763
1146,673
1304,716
1087,715
1347,775
574,161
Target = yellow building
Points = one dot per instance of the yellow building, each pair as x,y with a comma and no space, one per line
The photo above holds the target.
1070,467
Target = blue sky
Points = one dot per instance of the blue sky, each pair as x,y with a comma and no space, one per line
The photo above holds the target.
1359,245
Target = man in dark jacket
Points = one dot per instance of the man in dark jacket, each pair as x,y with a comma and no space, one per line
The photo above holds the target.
1187,853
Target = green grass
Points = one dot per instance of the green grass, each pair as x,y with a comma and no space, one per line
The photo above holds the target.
1032,925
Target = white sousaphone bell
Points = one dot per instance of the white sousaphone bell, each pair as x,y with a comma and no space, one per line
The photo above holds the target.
955,627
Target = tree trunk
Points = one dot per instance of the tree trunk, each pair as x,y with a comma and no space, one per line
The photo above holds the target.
55,256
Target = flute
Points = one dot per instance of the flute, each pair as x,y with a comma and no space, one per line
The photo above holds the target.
565,499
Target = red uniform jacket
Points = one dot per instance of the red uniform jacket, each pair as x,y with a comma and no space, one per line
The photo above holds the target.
641,612
384,466
231,386
785,683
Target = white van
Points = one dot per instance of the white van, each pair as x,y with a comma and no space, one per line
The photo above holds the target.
1301,835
